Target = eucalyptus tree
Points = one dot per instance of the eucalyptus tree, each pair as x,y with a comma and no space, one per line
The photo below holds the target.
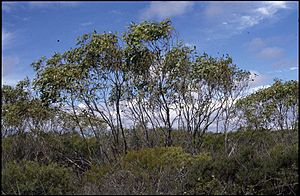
22,112
275,107
13,101
236,86
104,87
284,98
151,90
138,80
253,113
211,84
90,75
146,76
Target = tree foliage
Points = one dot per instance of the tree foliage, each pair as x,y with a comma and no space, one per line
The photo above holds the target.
275,107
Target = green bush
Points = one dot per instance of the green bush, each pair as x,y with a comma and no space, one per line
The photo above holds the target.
164,170
156,158
7,149
262,163
93,179
214,143
31,178
284,156
23,146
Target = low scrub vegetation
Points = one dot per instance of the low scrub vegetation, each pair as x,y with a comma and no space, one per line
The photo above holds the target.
261,162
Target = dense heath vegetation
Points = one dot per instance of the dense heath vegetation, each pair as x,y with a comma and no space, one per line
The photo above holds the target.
142,113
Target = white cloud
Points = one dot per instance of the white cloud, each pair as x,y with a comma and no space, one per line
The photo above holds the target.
233,18
190,45
271,52
270,8
254,89
260,48
81,106
257,79
165,9
284,70
245,22
293,68
277,4
284,63
263,11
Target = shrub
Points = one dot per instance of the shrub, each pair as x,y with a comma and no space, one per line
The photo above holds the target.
164,170
30,178
152,159
284,156
7,149
93,179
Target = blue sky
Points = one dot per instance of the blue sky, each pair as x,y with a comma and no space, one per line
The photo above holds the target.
261,37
